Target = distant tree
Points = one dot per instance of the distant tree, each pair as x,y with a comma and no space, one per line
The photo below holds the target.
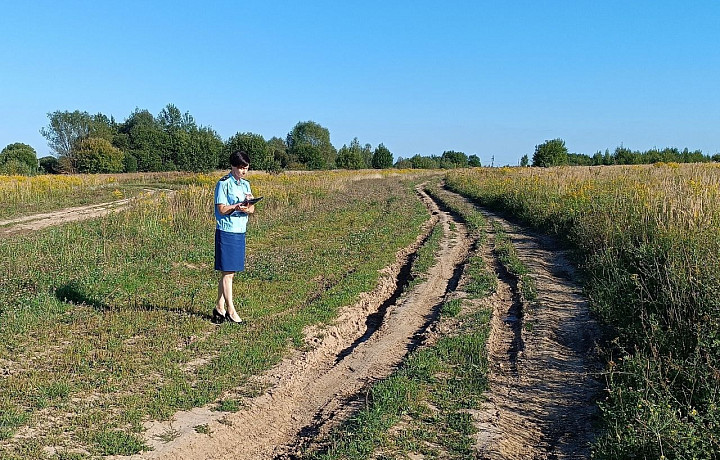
474,161
277,149
352,157
96,155
102,127
579,159
204,150
421,162
144,139
550,153
403,163
716,157
625,156
382,157
18,158
255,145
452,159
310,144
524,161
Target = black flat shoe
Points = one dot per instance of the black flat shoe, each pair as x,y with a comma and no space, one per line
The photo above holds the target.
217,318
229,319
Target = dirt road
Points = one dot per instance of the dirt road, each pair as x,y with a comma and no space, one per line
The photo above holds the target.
542,391
35,222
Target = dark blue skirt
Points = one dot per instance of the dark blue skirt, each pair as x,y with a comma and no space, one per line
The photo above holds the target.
229,251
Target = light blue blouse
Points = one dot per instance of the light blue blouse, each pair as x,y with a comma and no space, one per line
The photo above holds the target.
231,191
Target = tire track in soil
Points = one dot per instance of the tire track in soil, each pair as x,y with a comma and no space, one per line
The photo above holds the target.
311,391
541,403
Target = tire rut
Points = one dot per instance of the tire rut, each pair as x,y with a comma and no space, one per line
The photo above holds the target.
542,405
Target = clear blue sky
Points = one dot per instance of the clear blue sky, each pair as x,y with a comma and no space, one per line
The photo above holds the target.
483,77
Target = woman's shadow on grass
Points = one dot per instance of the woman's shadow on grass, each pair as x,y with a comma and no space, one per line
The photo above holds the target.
73,293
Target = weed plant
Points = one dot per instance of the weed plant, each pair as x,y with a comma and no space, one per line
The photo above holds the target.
105,323
648,238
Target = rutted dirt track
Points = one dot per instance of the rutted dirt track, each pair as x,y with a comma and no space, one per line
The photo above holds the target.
541,404
310,389
541,399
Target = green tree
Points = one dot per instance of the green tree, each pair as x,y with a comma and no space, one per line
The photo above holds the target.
143,138
382,157
452,159
255,146
352,157
97,155
524,161
310,144
65,129
420,162
474,161
204,150
550,153
49,165
18,158
277,149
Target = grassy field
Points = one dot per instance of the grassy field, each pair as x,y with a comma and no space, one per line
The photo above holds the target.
648,240
105,323
25,195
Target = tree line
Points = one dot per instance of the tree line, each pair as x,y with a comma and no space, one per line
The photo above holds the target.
555,153
173,141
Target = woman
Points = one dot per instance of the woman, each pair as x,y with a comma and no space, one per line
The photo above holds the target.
231,214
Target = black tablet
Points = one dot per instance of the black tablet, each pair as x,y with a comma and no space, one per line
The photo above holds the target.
252,201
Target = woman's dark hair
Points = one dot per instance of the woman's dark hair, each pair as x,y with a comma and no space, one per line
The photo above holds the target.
239,159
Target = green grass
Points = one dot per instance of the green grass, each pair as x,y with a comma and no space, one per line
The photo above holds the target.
426,256
507,255
119,307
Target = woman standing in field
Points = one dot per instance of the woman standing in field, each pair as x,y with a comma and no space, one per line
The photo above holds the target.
231,214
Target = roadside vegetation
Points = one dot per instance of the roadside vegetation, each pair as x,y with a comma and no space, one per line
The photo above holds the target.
105,323
648,240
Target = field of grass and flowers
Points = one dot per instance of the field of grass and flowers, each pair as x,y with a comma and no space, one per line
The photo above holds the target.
25,195
648,240
105,322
